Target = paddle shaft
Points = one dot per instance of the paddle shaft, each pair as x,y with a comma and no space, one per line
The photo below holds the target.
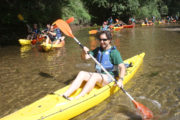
77,41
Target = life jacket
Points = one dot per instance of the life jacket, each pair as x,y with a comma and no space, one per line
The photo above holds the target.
105,28
36,32
58,33
104,59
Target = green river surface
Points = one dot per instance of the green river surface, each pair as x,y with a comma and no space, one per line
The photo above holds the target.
26,74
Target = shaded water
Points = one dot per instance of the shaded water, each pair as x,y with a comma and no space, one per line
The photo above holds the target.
27,75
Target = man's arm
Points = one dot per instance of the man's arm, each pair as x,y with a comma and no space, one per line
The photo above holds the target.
122,74
84,53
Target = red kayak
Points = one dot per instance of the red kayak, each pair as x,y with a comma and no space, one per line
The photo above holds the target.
128,26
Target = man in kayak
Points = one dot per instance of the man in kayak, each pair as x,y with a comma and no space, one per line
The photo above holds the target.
33,33
110,21
146,21
110,59
104,27
47,29
54,35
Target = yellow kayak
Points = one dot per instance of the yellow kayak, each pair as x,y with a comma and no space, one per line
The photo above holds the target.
24,42
146,24
48,47
55,107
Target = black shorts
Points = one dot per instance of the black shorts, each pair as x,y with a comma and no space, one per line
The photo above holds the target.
52,38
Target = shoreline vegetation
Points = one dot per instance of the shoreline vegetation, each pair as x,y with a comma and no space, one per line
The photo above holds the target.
86,13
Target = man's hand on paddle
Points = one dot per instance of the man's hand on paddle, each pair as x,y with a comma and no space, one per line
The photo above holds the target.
86,50
85,53
120,83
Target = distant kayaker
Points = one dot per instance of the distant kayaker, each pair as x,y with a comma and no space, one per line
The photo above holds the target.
54,35
168,19
118,23
33,33
104,26
132,20
110,21
153,19
47,29
146,21
110,59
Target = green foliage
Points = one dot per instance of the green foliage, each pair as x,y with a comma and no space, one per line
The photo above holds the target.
84,11
76,9
43,12
132,6
149,9
103,9
164,10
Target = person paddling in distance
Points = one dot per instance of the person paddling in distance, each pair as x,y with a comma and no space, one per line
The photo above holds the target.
47,29
33,33
110,59
54,35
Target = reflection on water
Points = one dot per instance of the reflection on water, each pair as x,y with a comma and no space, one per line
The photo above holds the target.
24,50
26,74
92,42
117,41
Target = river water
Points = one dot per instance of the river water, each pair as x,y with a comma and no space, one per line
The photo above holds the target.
26,74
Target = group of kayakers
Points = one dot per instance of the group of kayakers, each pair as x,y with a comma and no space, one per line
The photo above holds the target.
109,24
167,19
171,19
51,34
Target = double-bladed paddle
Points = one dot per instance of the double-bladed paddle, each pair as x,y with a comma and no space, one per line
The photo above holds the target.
71,19
147,114
21,18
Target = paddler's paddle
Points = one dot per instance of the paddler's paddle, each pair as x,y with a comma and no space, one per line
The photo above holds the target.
71,19
21,18
147,114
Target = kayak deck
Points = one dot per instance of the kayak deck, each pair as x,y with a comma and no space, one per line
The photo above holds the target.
48,47
55,107
118,28
24,42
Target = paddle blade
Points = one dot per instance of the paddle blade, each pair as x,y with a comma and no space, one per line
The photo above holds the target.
20,17
64,27
70,20
145,112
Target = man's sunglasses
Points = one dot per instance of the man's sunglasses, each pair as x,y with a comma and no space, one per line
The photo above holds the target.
103,39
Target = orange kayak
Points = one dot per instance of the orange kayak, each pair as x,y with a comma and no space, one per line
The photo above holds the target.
93,32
